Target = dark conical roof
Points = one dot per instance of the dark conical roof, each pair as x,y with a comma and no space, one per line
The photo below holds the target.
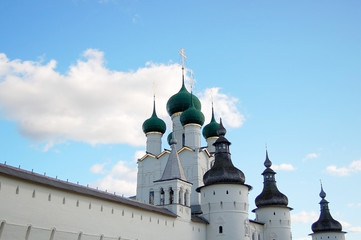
325,223
192,115
223,170
180,101
210,130
270,194
154,124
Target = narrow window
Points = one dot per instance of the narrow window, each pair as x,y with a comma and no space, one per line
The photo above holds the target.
17,190
49,197
227,192
220,229
151,197
77,203
171,196
63,200
34,194
161,196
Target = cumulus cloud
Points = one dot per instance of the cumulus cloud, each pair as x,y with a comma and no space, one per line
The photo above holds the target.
311,156
354,229
353,167
283,167
91,103
122,178
224,106
304,217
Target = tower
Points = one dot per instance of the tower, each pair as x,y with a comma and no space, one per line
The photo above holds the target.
326,227
210,132
225,195
173,190
272,209
154,128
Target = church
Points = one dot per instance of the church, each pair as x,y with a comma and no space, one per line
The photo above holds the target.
188,192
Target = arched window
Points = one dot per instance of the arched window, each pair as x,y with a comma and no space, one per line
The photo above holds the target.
161,196
151,197
220,229
185,198
171,196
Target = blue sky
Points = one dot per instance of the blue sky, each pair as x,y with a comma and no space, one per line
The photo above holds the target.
77,79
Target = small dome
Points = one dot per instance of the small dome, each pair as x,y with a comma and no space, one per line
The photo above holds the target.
325,223
270,195
192,115
154,124
223,170
179,102
210,130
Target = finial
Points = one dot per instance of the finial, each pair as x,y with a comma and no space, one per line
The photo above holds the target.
267,162
322,193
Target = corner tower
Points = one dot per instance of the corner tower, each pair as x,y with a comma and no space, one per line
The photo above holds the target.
225,195
272,207
326,227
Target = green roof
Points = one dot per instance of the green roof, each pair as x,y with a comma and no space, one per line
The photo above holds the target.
210,130
154,124
180,101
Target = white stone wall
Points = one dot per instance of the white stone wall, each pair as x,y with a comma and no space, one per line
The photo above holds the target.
277,222
33,211
226,206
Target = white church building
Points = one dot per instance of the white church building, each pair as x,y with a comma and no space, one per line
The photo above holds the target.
189,192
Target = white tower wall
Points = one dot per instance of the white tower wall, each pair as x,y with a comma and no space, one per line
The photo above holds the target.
154,143
225,206
277,222
192,134
328,235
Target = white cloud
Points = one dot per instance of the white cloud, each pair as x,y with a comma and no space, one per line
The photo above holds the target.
353,167
311,156
224,106
91,103
98,168
304,217
354,229
283,167
121,179
354,205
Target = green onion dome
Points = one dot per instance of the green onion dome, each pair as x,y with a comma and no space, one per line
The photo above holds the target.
210,130
179,102
192,115
154,124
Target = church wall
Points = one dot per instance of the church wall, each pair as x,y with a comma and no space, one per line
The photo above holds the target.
44,212
149,170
